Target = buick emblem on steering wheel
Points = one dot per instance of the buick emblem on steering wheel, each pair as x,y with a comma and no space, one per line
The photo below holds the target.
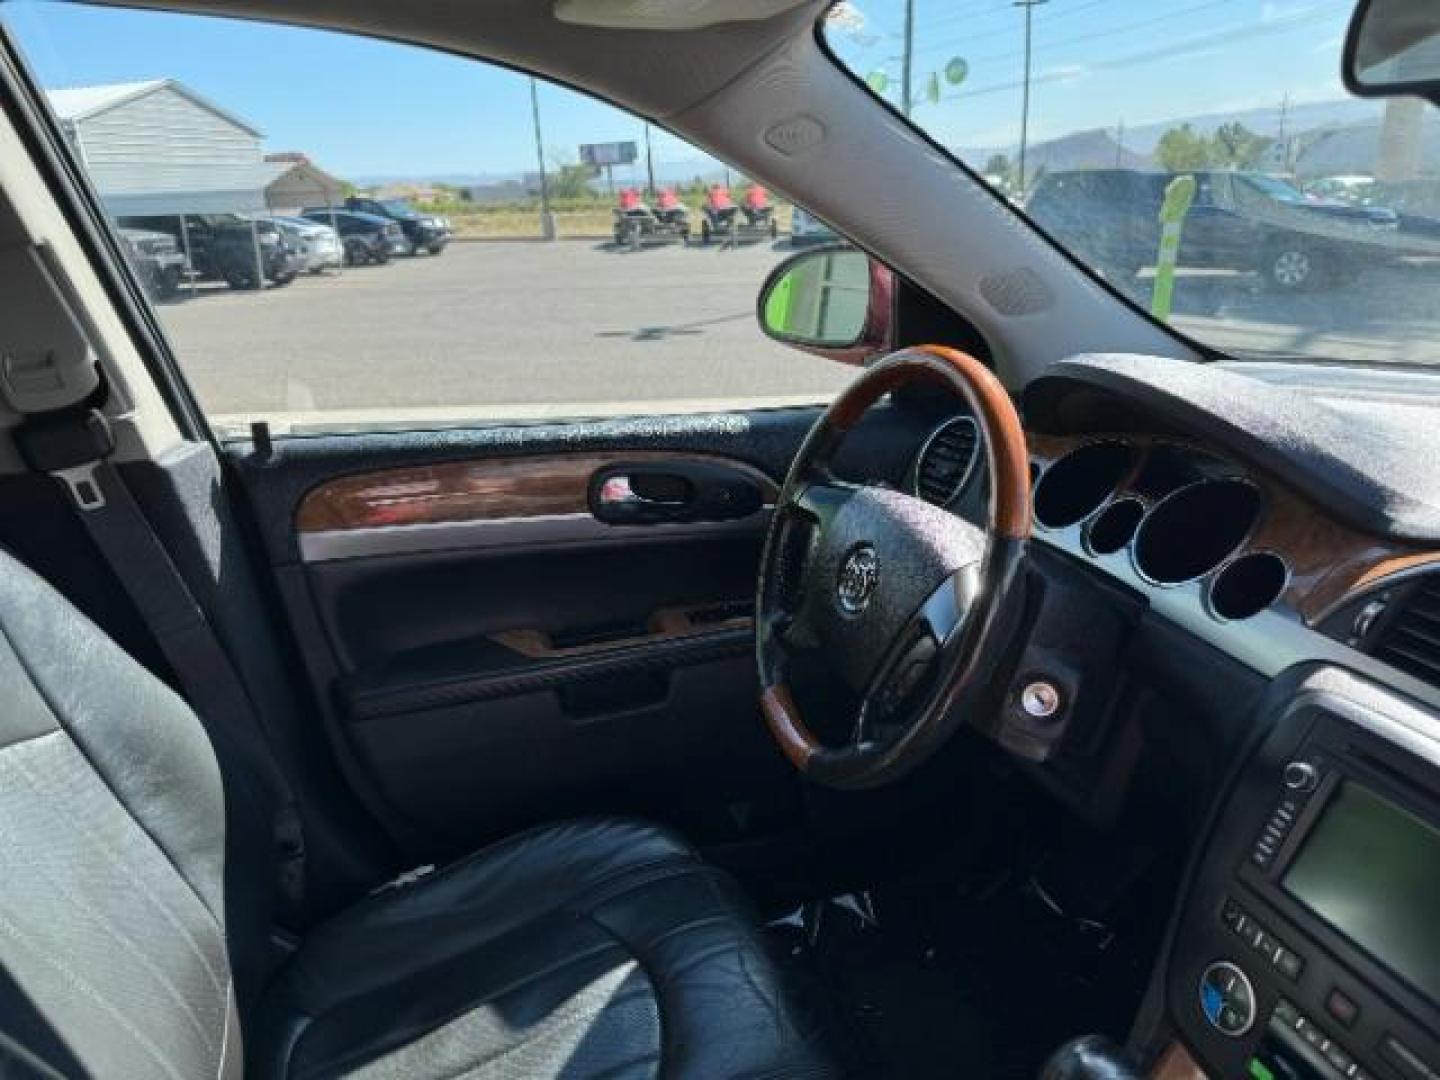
858,576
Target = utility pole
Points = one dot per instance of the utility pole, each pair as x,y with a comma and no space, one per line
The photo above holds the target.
1284,149
1029,6
907,88
547,220
649,161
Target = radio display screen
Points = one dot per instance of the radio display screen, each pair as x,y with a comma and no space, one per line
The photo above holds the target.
1372,870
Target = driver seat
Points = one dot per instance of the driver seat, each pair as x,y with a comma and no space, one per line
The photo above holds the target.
135,915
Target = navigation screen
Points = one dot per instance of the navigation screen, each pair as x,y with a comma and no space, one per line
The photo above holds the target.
1372,870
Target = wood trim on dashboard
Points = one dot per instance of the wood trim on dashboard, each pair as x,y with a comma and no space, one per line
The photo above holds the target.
1177,1064
1329,561
485,489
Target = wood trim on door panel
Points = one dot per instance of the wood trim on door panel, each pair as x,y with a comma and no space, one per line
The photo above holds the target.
666,624
488,489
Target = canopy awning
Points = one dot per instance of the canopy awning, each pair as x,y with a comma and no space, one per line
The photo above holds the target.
175,189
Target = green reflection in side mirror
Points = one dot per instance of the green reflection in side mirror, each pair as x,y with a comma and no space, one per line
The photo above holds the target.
820,298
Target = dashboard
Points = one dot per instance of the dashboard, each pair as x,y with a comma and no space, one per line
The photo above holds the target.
1307,941
1232,553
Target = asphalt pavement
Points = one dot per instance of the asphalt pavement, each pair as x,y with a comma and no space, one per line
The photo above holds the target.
530,330
498,329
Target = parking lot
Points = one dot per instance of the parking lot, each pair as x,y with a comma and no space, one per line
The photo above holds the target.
500,328
516,329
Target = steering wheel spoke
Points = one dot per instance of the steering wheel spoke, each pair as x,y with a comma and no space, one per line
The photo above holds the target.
822,500
908,671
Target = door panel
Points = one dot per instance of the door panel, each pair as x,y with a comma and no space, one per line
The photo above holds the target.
490,655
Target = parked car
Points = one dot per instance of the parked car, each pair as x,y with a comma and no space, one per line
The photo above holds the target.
423,232
1356,190
319,245
1244,221
367,239
156,259
223,247
806,228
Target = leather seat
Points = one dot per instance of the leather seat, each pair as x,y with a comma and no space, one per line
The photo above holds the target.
589,949
596,948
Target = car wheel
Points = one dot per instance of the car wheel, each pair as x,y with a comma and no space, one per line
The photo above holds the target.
705,233
282,280
380,256
435,249
1291,268
239,279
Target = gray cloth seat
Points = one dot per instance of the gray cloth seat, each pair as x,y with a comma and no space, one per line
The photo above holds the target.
131,894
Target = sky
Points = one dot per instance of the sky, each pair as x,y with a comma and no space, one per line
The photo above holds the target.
363,108
357,106
1096,63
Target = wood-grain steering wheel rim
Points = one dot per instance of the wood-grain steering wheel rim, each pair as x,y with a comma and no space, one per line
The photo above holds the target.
1008,529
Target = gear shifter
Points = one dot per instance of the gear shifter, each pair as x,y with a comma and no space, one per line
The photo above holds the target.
1090,1057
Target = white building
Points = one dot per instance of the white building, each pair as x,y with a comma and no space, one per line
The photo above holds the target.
158,147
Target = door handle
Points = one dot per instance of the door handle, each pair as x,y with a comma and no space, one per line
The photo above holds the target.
646,493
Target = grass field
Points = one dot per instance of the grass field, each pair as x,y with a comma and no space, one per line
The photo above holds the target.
501,222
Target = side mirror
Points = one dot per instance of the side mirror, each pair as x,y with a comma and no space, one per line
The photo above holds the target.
1393,48
832,301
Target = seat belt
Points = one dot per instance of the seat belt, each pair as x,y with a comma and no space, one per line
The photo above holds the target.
74,447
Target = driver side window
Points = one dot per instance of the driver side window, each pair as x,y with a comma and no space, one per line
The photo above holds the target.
397,237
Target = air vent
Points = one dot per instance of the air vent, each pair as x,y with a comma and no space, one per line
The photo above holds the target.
946,461
1410,638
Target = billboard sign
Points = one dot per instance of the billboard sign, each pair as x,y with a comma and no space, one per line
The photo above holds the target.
612,153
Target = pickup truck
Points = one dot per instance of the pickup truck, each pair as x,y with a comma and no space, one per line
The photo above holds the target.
1244,221
423,232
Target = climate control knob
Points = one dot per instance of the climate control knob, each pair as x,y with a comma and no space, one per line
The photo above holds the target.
1227,999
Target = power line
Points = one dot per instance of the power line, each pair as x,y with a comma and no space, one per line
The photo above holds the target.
1107,32
1198,43
960,41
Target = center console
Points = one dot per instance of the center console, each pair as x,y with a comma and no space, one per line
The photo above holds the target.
1309,948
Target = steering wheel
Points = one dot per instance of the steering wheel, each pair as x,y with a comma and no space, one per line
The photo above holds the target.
912,607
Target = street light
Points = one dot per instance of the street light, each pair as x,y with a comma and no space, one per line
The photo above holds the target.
1029,6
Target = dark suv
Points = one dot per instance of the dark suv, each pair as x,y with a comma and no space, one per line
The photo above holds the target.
366,238
423,232
223,247
1239,221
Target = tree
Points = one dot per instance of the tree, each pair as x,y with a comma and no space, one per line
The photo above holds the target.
570,182
1181,149
1236,146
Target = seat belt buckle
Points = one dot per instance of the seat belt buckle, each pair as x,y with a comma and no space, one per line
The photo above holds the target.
83,484
70,446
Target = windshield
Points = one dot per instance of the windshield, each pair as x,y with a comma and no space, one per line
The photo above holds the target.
1309,220
398,207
